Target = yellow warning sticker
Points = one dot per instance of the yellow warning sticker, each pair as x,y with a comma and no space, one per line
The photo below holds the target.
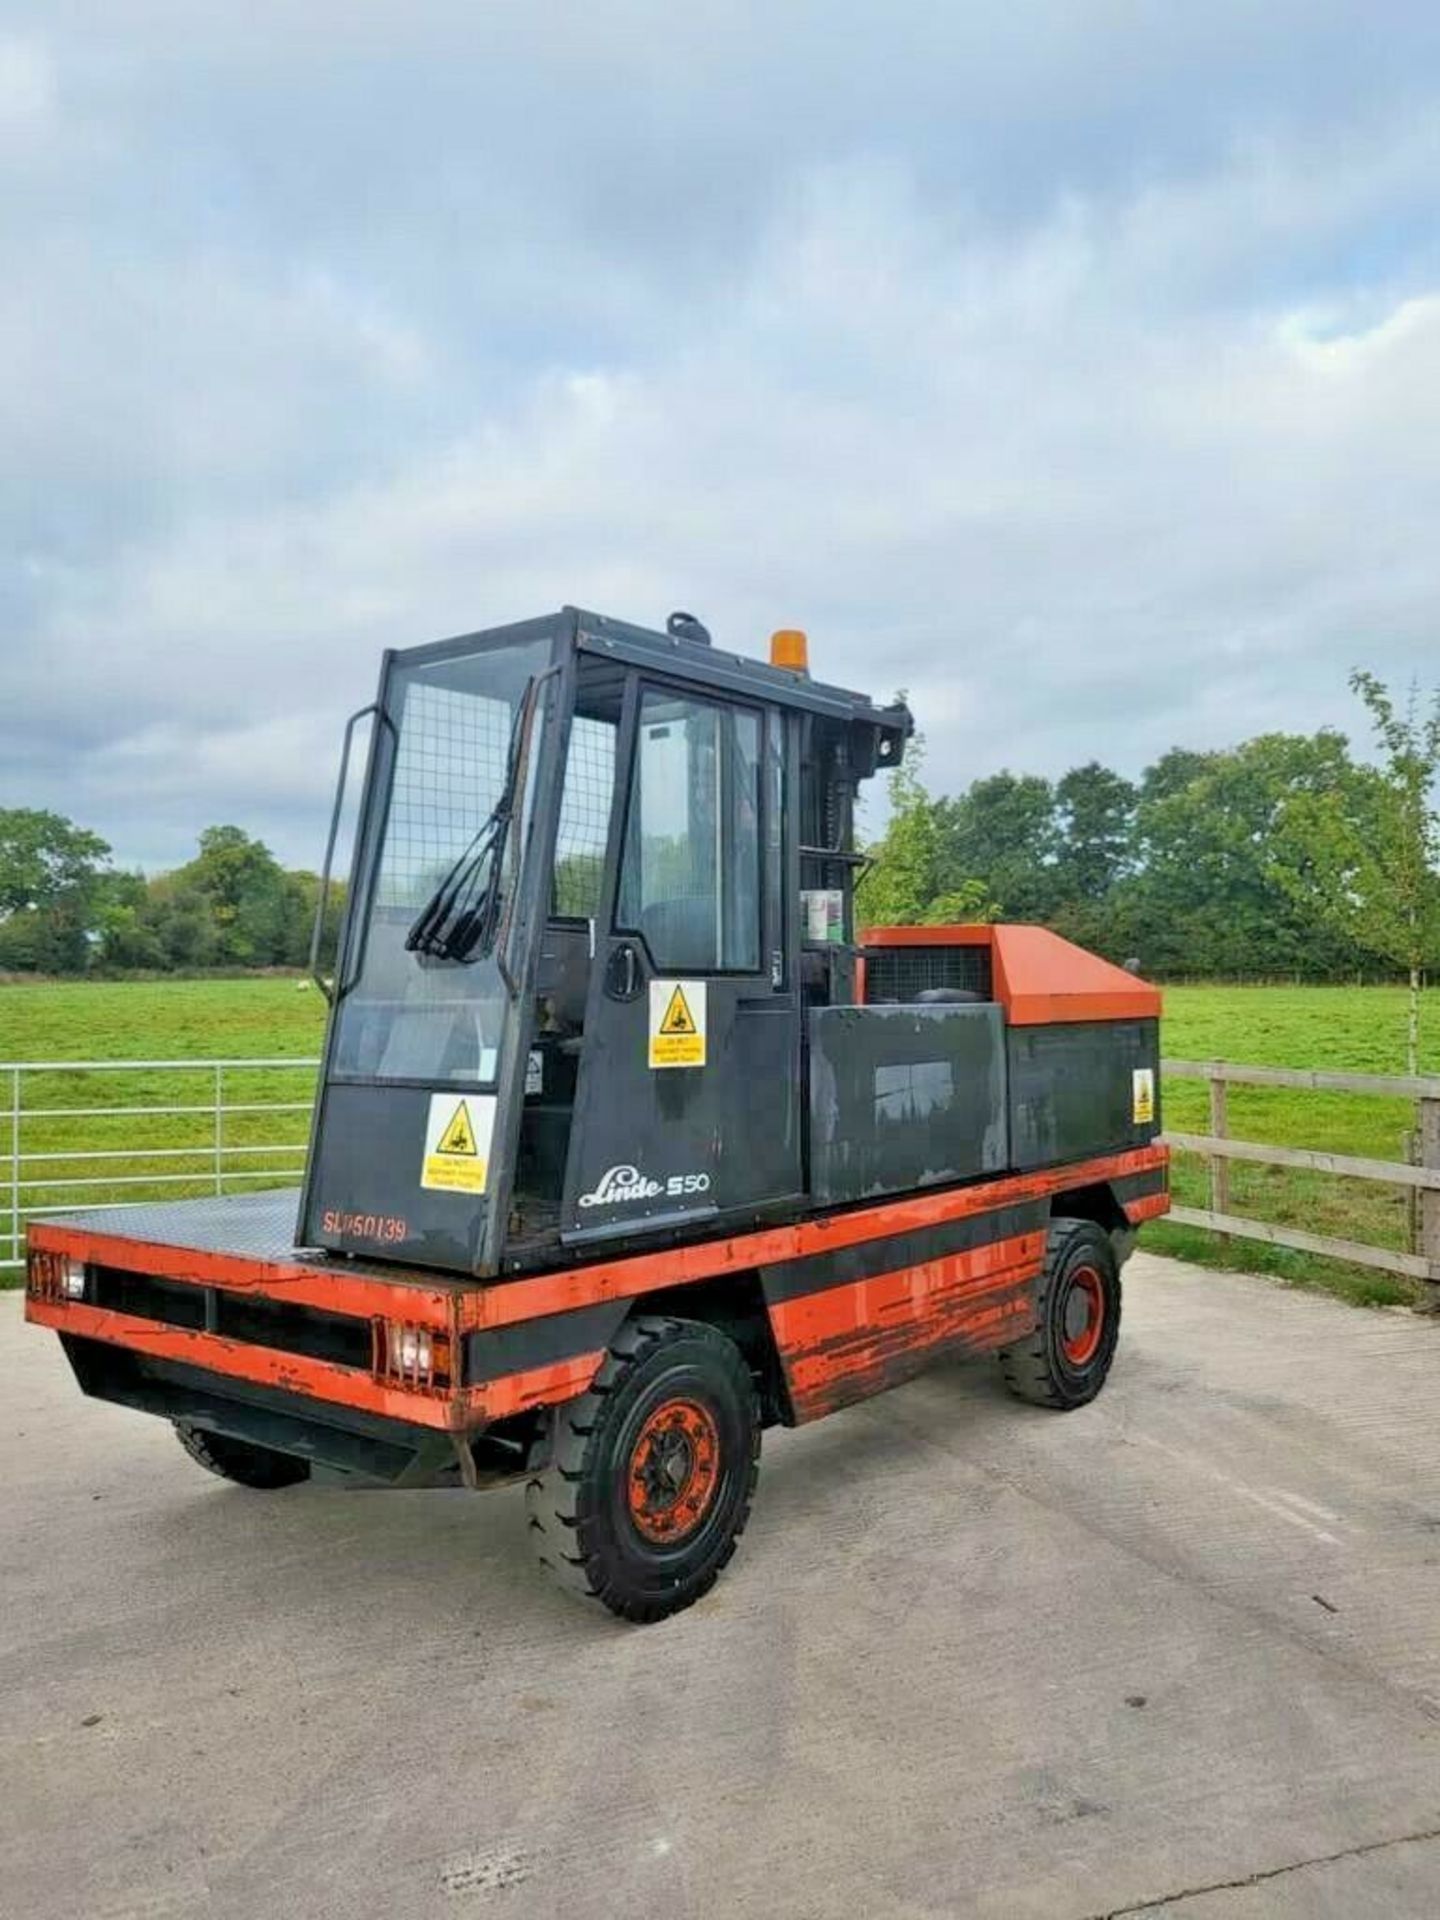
457,1142
1142,1096
459,1136
677,1023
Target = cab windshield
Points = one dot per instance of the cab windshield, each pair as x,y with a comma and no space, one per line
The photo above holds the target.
430,1002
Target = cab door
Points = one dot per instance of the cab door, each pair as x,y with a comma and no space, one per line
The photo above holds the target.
688,1098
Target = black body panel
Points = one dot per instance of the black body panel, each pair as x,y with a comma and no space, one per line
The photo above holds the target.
1072,1090
792,1279
494,1352
729,1128
675,1147
253,1318
904,1097
1128,1188
364,1194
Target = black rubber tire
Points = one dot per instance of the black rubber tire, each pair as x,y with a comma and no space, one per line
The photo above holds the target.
580,1523
240,1461
1038,1369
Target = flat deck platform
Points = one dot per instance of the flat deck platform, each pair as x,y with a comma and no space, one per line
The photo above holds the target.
1175,1655
246,1226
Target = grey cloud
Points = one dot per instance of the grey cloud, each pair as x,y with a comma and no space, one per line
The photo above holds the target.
1075,369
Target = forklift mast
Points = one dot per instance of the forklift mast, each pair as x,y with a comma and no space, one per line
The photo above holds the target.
601,878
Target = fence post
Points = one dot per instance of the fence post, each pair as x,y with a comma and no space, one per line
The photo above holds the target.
1219,1167
219,1128
1410,1150
15,1163
1429,1156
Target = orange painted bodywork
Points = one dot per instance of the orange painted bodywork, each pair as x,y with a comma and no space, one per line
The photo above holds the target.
836,1344
365,1293
1149,1206
515,1300
1039,979
848,1342
452,1408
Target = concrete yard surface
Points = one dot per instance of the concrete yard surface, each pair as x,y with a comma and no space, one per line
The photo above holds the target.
1177,1653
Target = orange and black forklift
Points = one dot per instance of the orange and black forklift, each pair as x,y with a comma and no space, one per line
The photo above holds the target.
627,1144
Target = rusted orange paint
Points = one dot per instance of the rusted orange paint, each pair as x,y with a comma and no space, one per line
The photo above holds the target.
267,1366
900,1316
540,1387
1149,1206
848,1342
452,1408
514,1300
338,1289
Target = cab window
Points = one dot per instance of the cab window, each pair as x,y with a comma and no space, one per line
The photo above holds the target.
690,876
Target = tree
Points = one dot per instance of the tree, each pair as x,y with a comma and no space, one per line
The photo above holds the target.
244,885
1002,831
301,895
1094,821
910,883
904,877
966,905
129,935
44,857
51,883
1374,868
1222,883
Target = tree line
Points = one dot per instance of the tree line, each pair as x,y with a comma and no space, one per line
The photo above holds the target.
65,910
1283,856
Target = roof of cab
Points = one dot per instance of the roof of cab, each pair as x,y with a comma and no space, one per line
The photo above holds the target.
720,670
705,666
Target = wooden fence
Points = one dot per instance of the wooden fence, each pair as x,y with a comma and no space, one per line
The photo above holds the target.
1420,1176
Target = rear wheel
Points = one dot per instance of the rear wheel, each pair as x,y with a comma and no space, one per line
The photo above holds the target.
240,1460
1065,1361
653,1470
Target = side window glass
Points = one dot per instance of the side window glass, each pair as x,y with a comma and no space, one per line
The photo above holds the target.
584,817
690,882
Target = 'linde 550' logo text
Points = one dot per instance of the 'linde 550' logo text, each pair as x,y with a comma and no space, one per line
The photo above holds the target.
620,1184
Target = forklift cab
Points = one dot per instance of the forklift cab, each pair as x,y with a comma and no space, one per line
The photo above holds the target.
600,875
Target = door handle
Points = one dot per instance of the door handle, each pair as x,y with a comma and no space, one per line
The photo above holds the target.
624,976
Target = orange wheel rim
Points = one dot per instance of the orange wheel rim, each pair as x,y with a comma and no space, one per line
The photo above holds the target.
673,1472
1082,1317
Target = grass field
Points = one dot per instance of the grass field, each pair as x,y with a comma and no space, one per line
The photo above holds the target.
249,1019
266,1017
1344,1029
1351,1029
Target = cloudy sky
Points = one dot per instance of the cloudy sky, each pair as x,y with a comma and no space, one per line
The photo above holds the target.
1075,366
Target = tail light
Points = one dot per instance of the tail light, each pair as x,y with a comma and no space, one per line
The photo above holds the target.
54,1276
410,1354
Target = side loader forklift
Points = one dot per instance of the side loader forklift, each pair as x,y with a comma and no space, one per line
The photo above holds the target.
627,1144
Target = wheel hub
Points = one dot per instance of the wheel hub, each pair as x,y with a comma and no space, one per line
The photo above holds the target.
673,1472
1082,1316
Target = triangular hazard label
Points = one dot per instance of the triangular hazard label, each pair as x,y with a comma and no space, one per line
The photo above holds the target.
459,1135
678,1017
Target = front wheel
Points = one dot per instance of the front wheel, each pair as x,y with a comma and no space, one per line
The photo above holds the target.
240,1460
652,1473
1064,1362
